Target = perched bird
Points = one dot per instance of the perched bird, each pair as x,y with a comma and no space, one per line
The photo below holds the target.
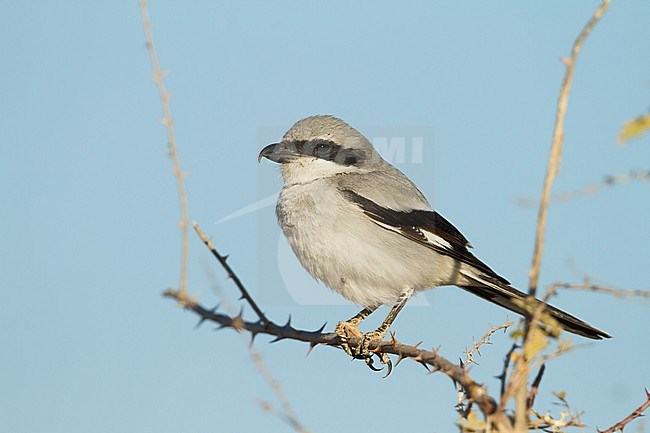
360,226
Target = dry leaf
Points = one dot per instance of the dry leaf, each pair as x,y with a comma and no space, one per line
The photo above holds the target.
633,128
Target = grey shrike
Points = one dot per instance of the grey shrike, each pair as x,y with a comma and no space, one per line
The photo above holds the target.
360,226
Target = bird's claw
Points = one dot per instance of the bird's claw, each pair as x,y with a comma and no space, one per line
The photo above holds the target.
347,330
385,360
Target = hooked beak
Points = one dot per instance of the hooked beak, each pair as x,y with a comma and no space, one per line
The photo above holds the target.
279,152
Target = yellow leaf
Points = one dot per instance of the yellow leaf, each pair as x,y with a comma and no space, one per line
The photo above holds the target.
537,341
633,128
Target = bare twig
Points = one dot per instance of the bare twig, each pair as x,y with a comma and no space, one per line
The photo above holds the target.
619,293
158,76
634,415
484,340
558,140
591,189
287,413
291,422
231,274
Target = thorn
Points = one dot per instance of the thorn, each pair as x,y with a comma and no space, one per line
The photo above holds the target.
369,363
416,345
320,330
253,335
200,322
311,347
216,307
424,364
225,257
400,358
278,338
288,324
241,298
462,366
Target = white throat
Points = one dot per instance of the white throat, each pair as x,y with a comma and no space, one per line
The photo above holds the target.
306,170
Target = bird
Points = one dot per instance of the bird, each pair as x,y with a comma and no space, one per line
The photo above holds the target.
360,226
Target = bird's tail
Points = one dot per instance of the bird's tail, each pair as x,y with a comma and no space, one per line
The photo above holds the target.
510,298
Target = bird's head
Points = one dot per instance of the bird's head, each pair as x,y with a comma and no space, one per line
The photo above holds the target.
319,147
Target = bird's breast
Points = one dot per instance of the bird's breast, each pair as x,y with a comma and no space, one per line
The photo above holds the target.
338,245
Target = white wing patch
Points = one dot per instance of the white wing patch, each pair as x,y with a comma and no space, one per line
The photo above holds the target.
425,235
435,239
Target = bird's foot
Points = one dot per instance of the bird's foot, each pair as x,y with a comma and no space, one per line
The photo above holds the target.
363,351
346,331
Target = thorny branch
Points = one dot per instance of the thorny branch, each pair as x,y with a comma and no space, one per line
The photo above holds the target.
558,141
634,415
223,261
158,78
530,401
503,377
476,346
287,332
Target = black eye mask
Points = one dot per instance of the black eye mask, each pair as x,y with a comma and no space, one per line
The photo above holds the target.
327,150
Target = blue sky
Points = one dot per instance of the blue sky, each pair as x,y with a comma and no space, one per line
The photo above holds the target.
89,214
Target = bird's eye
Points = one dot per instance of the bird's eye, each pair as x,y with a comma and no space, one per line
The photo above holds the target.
322,149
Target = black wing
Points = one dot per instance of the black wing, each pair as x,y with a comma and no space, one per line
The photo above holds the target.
427,228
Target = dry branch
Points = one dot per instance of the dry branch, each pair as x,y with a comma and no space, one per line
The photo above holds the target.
558,141
590,189
158,76
619,293
631,417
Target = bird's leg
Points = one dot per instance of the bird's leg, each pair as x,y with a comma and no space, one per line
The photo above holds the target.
363,350
348,329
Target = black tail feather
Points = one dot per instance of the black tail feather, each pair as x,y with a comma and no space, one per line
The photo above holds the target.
507,295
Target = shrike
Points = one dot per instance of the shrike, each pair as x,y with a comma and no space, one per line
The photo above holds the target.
360,226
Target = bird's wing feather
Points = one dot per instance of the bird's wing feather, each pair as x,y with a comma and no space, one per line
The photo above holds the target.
425,227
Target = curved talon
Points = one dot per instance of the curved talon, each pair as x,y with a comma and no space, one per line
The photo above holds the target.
347,330
386,360
369,363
